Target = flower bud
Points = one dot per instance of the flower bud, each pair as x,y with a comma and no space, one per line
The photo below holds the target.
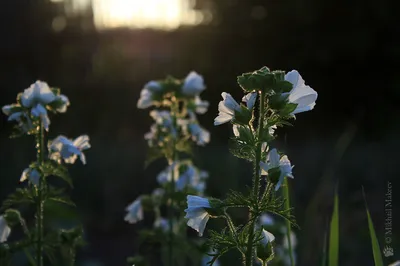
265,250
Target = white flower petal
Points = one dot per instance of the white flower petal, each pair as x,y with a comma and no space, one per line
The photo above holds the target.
135,212
267,237
250,99
38,92
145,99
193,84
302,95
235,130
229,102
273,158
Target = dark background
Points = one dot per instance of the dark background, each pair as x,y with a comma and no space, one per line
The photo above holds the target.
348,51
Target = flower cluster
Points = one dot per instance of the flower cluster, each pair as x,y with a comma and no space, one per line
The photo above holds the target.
281,96
32,117
174,131
32,106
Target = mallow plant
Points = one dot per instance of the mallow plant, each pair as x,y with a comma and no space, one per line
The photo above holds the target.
175,105
28,209
271,99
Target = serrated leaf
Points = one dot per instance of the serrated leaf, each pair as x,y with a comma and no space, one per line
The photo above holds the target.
242,150
51,168
21,196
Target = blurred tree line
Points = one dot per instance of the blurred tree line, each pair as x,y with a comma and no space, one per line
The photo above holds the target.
348,51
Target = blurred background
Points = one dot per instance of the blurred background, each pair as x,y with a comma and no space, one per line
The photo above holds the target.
101,53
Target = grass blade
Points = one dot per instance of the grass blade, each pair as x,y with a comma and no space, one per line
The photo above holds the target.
374,241
334,233
288,226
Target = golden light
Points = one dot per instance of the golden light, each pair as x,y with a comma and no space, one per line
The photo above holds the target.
163,14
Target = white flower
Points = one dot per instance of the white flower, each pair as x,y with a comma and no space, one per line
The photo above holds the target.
196,213
226,108
193,84
32,174
201,106
273,161
396,263
68,150
267,237
266,219
5,230
304,96
38,93
250,99
135,212
146,95
199,134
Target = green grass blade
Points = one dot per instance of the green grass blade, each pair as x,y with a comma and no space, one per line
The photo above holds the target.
334,233
374,240
288,226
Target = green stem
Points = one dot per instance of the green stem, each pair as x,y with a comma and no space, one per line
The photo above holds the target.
171,217
289,229
256,182
39,200
174,114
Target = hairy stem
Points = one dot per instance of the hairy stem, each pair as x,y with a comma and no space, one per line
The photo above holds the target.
256,182
39,199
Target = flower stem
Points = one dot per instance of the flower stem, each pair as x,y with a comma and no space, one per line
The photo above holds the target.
289,229
171,216
172,161
39,200
256,182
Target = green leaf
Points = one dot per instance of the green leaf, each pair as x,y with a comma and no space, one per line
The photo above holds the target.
243,116
334,233
242,150
153,154
376,250
51,168
64,200
21,196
